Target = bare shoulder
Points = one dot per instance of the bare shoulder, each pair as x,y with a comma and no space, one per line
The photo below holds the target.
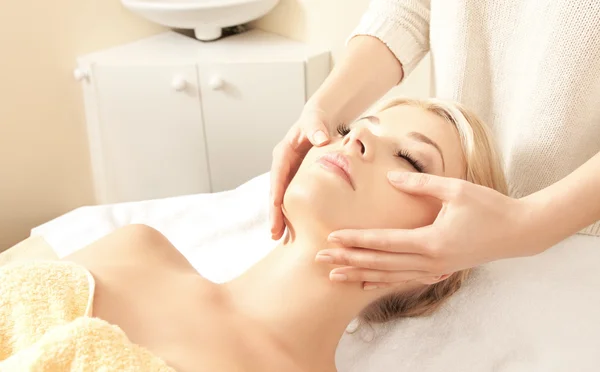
132,246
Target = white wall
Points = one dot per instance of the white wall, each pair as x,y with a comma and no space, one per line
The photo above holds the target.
328,23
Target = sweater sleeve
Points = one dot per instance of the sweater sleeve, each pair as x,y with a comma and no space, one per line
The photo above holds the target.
402,25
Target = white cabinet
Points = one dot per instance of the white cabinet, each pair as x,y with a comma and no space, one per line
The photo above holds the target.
151,135
247,116
170,115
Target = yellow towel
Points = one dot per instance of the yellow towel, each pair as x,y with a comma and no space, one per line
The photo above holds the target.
45,324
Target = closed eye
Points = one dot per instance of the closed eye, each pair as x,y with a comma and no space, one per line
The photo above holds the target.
343,129
416,164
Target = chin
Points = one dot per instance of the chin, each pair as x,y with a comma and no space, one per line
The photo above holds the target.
320,200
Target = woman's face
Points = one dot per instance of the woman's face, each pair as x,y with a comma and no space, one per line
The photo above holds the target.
344,184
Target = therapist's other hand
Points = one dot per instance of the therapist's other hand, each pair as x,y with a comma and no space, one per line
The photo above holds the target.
475,225
310,130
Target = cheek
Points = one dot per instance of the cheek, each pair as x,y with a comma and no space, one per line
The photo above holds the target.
389,208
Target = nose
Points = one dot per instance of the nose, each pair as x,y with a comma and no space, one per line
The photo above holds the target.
359,142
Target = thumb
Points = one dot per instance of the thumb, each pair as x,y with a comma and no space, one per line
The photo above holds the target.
423,184
317,133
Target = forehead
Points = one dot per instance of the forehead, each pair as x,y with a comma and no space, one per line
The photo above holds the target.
400,120
405,118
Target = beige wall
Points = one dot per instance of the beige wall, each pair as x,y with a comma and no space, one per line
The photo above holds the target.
328,23
44,166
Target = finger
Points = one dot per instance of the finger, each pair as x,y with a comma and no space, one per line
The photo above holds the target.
369,259
277,222
281,166
280,174
389,240
442,188
351,274
317,134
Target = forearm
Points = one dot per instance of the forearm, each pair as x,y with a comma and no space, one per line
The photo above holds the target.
366,72
568,206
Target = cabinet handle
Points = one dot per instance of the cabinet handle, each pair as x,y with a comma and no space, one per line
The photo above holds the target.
81,74
216,83
179,83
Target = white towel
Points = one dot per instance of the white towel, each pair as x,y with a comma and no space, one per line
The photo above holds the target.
536,314
532,314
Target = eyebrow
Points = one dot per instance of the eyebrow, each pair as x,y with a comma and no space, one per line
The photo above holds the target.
423,138
372,119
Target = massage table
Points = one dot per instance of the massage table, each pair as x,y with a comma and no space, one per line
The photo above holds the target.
530,314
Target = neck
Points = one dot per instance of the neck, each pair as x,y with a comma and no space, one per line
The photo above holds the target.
292,297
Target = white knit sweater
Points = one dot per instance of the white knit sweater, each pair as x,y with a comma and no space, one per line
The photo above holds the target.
529,68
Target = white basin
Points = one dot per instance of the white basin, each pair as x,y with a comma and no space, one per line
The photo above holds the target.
205,17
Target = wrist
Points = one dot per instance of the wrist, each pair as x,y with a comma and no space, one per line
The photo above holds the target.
536,223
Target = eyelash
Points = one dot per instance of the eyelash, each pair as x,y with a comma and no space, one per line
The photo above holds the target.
419,167
343,130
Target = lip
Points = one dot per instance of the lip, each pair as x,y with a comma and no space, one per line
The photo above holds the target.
337,163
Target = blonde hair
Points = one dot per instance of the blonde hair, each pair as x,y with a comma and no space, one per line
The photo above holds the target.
483,167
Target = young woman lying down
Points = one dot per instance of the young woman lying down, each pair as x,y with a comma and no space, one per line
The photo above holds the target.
284,313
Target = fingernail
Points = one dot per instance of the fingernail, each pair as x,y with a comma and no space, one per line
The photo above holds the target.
319,137
370,287
333,239
323,257
338,277
397,177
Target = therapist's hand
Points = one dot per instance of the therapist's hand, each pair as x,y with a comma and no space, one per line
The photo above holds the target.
476,225
310,130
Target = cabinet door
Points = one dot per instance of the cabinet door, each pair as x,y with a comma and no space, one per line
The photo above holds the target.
149,136
248,108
